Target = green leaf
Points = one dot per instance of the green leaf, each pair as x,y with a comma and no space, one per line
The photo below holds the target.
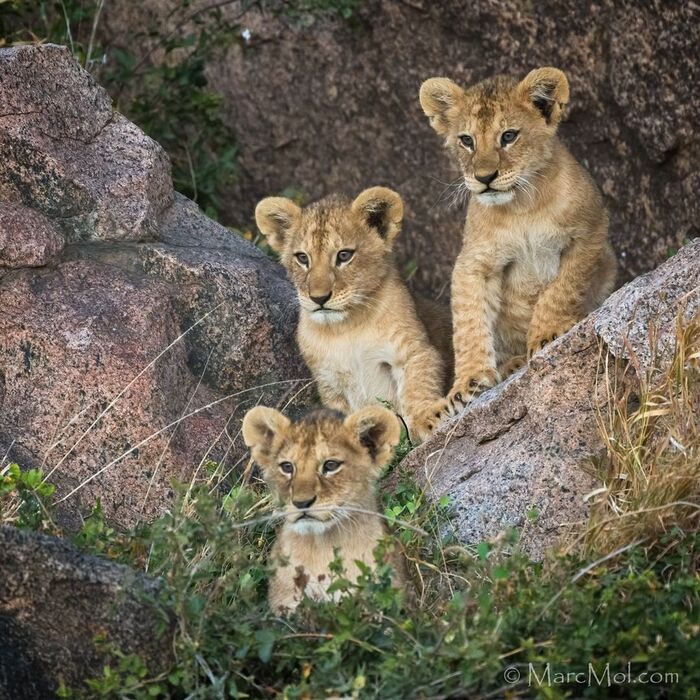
532,514
499,573
482,550
32,478
265,639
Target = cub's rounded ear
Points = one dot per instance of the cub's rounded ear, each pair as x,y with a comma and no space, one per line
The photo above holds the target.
262,427
276,218
382,210
439,98
378,430
547,89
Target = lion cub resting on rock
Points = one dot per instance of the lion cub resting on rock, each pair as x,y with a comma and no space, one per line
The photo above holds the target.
359,330
536,256
323,469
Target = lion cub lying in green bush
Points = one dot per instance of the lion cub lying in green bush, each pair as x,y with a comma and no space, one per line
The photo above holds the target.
359,329
324,470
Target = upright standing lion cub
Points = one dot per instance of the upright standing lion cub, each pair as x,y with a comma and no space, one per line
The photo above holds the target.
536,256
359,330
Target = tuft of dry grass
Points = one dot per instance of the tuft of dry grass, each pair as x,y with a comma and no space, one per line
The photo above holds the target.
651,471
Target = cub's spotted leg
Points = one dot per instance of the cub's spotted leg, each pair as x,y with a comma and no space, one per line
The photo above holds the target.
476,292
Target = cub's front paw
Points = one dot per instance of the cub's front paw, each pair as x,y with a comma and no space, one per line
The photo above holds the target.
540,335
512,365
424,421
466,389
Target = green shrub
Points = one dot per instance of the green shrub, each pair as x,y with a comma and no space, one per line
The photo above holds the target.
474,616
477,621
619,615
170,99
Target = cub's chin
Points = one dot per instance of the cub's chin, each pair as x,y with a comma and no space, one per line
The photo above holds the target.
327,317
493,198
310,526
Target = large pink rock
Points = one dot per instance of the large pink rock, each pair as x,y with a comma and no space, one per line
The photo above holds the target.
111,352
85,388
248,344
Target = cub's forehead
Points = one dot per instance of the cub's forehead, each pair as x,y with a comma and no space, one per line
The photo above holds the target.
316,438
327,222
490,104
500,88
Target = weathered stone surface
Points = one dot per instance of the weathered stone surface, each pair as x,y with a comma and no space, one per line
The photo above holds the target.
110,356
27,238
650,302
99,355
330,106
68,155
54,602
528,442
85,384
249,344
253,342
45,92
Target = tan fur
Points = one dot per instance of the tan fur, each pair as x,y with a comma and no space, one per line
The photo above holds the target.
359,330
536,256
318,504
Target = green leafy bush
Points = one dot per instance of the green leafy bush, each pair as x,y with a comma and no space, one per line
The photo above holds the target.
480,621
619,615
171,101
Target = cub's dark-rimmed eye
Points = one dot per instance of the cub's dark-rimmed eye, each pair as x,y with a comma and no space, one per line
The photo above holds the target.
344,256
330,466
287,468
467,141
303,258
507,137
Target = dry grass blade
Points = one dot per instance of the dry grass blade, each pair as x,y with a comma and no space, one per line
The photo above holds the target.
651,472
164,429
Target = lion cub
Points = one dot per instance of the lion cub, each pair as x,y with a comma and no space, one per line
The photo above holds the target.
359,330
323,469
536,256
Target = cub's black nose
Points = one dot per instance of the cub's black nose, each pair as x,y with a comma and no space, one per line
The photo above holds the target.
321,300
304,504
487,179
